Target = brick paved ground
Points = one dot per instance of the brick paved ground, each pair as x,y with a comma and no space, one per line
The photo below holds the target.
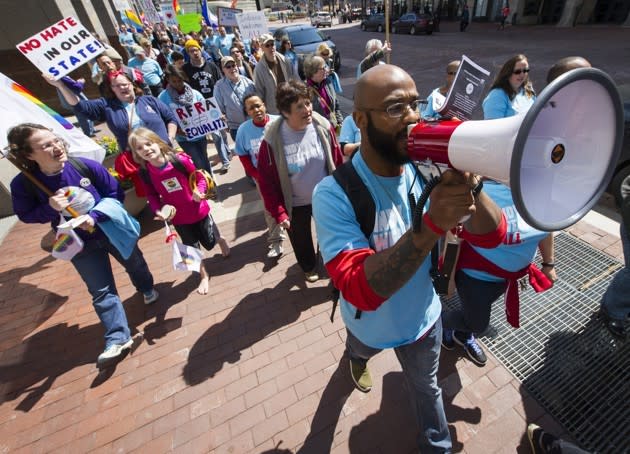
256,366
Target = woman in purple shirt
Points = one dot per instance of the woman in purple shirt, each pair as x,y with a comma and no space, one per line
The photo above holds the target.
81,184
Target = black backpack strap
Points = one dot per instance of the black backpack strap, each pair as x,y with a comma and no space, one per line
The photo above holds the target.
347,177
179,166
364,207
80,167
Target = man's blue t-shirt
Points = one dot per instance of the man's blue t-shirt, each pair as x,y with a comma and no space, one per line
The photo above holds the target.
349,132
412,310
248,139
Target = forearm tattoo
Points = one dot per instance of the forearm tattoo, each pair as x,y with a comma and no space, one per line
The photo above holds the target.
395,266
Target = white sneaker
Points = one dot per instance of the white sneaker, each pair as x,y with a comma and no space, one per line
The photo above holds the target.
151,296
276,251
113,353
311,276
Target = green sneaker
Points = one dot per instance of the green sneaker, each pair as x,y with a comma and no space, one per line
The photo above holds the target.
361,376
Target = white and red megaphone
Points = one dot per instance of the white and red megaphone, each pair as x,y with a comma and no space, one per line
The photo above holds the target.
557,159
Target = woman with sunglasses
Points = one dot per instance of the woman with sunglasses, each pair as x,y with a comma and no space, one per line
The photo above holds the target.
484,274
511,92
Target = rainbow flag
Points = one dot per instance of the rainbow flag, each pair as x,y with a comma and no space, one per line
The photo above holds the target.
133,19
28,95
176,7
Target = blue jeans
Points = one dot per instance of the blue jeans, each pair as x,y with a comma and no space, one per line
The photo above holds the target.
616,300
94,267
476,297
419,361
198,151
221,144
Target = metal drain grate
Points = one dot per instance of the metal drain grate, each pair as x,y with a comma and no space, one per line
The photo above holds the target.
564,355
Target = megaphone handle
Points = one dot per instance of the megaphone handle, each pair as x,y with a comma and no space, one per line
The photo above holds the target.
422,201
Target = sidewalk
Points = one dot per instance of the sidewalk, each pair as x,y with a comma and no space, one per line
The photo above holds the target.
256,366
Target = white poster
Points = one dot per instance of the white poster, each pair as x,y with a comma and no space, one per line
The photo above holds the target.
252,24
150,12
227,16
61,48
168,13
21,106
122,5
199,118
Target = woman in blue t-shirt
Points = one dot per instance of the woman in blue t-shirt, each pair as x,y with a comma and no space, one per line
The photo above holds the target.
483,275
511,92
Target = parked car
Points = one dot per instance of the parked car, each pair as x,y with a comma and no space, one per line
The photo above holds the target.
413,23
305,40
321,19
356,13
623,165
374,22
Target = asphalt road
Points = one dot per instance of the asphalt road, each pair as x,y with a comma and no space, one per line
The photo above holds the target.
425,56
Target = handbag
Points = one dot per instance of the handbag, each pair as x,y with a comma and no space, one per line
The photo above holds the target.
67,243
184,257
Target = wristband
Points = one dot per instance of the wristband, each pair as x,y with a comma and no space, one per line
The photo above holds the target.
548,264
426,220
477,189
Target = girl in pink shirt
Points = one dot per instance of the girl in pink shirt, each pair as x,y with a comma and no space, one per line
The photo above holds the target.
171,197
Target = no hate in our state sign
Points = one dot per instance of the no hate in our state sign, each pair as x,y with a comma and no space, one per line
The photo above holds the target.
61,48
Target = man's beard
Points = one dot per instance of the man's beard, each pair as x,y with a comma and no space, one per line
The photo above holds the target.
386,145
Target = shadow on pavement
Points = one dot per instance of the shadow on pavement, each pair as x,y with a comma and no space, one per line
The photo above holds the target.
252,319
31,367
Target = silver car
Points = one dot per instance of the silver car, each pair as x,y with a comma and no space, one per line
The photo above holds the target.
321,19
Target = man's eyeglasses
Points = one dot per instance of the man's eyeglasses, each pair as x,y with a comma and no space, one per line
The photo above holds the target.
517,72
451,73
398,109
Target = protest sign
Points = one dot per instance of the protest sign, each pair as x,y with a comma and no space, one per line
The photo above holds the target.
168,14
227,16
252,24
121,5
199,118
150,12
190,22
465,93
61,48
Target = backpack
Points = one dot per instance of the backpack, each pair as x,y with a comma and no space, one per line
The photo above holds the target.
364,208
177,164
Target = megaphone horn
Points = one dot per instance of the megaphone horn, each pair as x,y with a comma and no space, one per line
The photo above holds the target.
557,159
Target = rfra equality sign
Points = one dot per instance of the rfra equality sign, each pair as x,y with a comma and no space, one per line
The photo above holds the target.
61,48
199,118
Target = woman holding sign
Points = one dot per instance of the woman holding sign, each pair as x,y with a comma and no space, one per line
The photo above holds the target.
88,188
179,95
124,109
